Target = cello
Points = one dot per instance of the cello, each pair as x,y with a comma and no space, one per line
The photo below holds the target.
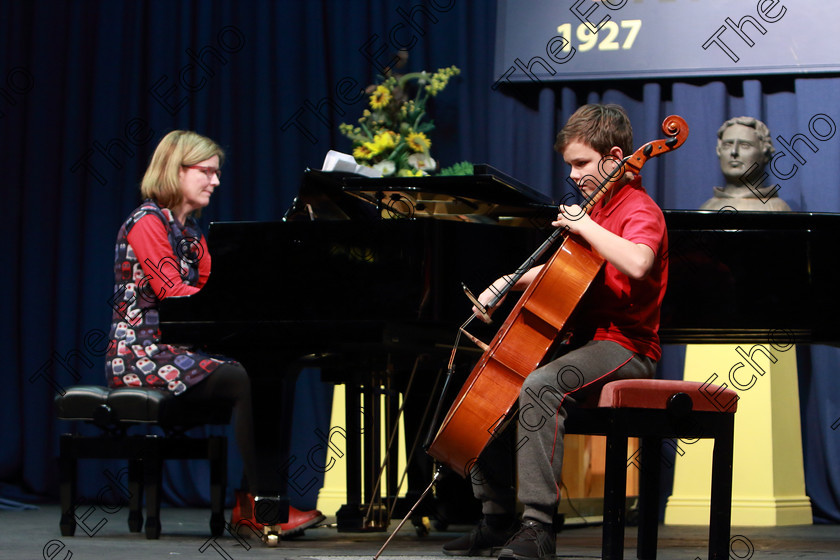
534,327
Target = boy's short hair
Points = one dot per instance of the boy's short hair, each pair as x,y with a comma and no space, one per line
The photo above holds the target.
598,126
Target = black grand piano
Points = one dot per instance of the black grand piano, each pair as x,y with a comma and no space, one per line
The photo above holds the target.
363,275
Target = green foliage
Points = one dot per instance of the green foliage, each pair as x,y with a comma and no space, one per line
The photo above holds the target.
461,168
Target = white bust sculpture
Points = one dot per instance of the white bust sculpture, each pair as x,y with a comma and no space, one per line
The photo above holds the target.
742,142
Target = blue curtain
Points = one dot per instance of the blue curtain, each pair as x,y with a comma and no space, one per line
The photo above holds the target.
87,88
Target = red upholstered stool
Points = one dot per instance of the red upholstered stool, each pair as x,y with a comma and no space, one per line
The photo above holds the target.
653,410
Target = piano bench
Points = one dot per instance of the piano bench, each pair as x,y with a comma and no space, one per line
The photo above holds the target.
653,410
114,412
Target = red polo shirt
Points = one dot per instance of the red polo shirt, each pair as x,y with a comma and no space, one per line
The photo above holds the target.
616,307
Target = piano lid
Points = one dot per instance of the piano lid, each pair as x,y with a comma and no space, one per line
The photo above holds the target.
752,276
489,196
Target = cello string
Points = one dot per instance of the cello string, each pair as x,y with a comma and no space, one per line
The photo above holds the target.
532,260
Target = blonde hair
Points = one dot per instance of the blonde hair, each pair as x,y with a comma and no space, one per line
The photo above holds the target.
178,148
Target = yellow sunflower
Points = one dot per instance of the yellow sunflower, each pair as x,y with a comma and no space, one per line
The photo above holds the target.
380,97
362,152
382,142
418,142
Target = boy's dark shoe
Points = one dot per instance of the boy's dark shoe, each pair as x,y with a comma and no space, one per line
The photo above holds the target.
534,541
480,541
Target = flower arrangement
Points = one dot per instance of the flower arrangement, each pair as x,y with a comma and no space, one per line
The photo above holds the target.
391,134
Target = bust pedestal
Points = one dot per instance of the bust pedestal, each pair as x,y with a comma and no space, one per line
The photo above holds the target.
768,481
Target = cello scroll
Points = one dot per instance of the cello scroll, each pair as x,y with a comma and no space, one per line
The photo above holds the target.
675,128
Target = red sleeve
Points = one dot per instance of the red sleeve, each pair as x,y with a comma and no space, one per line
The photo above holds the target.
160,265
645,225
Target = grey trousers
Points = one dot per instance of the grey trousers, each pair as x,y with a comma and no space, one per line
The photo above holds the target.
536,439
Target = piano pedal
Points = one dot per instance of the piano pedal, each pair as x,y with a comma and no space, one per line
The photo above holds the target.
377,518
271,535
267,511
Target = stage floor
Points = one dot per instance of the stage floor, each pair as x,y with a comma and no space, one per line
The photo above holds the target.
34,534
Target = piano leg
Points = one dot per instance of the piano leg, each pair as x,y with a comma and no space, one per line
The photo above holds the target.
364,387
376,440
366,509
350,516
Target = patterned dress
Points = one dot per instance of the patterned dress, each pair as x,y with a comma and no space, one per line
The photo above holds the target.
156,257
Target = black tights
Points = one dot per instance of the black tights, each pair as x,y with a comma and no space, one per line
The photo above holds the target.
231,382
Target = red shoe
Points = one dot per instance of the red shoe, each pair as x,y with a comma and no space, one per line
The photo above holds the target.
299,521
